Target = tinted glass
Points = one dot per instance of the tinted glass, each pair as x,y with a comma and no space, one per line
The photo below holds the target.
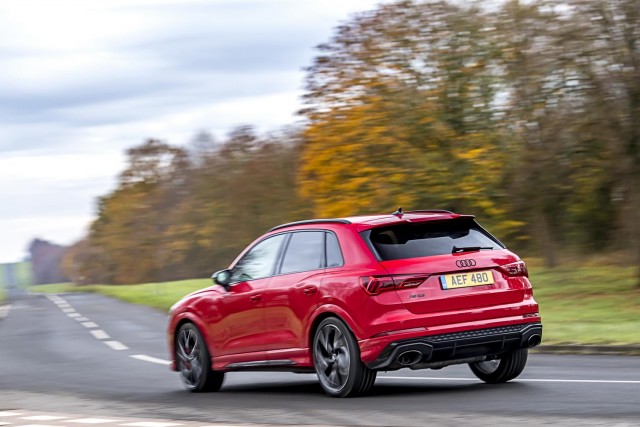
428,238
334,254
259,261
305,252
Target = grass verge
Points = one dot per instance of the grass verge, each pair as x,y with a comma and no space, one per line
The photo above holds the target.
579,305
588,305
157,295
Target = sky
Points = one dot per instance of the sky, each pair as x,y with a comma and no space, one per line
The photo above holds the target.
83,80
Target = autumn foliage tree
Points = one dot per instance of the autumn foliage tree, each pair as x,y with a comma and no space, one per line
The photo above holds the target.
399,109
525,113
184,212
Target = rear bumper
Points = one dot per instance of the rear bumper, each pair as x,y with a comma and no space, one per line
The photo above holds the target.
461,346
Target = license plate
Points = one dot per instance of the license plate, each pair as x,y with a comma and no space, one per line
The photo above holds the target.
466,280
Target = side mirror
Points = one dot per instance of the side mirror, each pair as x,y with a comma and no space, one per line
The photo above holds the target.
222,278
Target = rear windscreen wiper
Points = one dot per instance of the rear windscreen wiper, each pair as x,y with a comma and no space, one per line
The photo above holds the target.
456,249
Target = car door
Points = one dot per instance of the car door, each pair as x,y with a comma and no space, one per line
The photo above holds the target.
293,293
241,327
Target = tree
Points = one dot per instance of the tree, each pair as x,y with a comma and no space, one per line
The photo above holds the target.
180,213
84,263
400,113
46,260
611,66
243,187
132,221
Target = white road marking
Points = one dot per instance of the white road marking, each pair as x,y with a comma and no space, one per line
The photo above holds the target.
72,315
99,334
151,424
551,380
150,359
4,310
89,325
10,413
12,417
68,310
116,345
62,304
82,319
526,380
43,417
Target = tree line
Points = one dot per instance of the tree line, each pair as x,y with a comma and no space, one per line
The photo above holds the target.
526,114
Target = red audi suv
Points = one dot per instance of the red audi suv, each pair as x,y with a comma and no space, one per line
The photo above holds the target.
348,297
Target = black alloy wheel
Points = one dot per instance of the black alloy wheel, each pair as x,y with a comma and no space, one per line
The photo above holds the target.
194,361
501,370
336,357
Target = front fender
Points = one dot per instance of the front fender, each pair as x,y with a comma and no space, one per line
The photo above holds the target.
175,322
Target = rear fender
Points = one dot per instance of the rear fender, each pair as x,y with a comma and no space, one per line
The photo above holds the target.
329,310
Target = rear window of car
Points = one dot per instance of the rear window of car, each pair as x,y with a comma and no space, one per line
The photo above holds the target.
414,240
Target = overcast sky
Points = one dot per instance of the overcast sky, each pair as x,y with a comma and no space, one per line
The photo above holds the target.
81,81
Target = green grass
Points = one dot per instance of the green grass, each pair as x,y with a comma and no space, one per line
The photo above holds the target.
3,294
157,295
579,305
588,305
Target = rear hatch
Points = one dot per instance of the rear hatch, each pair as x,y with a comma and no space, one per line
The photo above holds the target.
447,265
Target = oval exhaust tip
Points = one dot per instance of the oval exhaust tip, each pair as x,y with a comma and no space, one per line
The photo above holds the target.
409,358
534,340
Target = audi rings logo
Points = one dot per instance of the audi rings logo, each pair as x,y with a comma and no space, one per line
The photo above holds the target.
466,263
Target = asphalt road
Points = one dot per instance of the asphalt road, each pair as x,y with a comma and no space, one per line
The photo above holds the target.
89,354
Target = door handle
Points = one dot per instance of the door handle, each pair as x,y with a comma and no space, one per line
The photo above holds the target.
310,290
256,298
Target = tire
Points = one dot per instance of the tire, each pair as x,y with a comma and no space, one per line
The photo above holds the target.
501,370
194,361
336,358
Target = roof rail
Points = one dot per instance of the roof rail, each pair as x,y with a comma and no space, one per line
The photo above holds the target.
429,211
311,221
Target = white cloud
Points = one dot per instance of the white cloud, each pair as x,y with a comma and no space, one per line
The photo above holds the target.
83,80
24,168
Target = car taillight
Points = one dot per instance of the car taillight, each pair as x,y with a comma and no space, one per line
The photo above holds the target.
411,283
515,269
374,285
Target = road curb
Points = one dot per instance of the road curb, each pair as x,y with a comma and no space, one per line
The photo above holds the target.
612,350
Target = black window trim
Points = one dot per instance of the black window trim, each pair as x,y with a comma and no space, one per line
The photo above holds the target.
366,236
277,271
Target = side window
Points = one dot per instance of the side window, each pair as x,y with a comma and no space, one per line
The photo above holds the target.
259,261
305,252
334,254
